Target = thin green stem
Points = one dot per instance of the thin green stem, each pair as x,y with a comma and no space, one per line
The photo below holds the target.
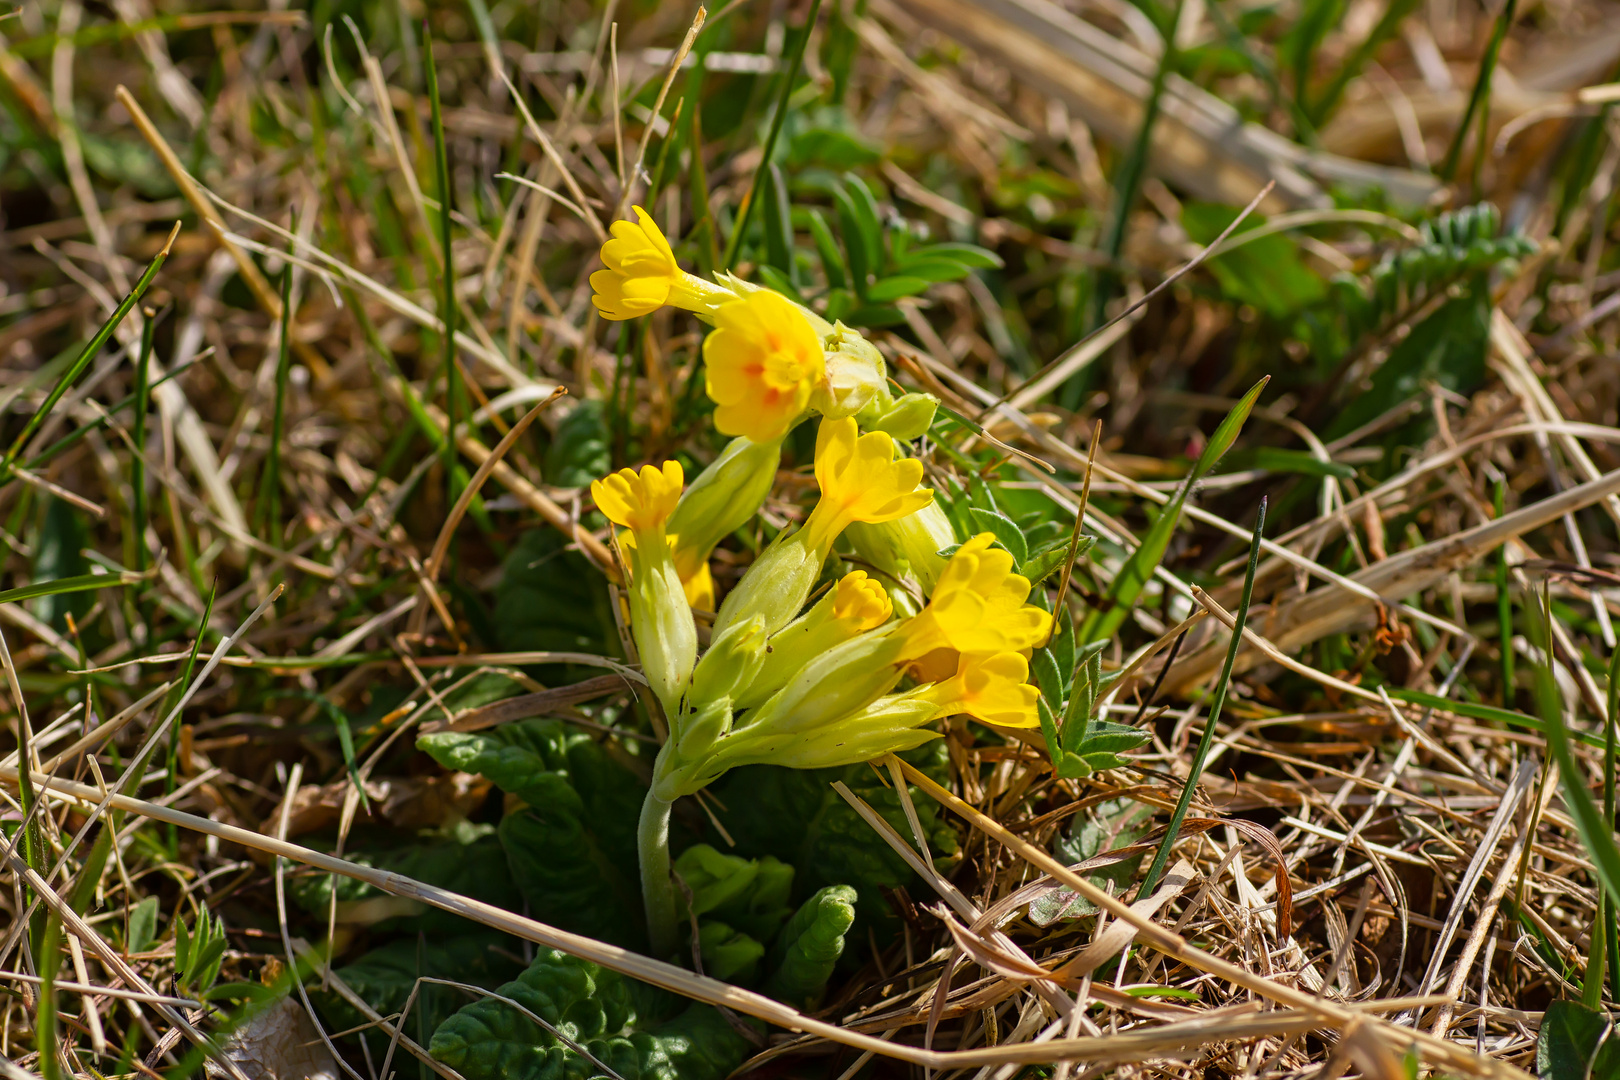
791,76
657,889
1208,738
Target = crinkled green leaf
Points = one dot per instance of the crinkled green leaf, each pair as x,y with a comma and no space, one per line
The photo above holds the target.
1085,840
572,848
1266,273
638,1032
795,815
470,861
383,977
809,947
753,895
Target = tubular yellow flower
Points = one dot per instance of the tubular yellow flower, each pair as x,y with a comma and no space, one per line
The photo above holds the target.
857,604
860,481
761,364
660,616
993,687
641,274
978,606
640,502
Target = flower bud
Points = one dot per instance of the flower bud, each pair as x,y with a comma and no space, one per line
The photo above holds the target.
660,617
907,548
855,375
721,500
906,417
731,663
855,605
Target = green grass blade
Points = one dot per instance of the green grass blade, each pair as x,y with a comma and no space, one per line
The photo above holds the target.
1133,576
137,464
85,357
1479,99
1597,835
790,76
1216,703
78,583
441,170
1475,711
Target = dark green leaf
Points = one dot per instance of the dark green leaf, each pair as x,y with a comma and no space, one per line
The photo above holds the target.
1279,460
142,925
638,1032
967,254
580,449
384,976
777,214
1116,823
572,849
550,598
1575,1043
728,954
932,269
831,149
1266,273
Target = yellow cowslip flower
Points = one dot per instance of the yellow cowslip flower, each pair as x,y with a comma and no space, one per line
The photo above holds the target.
641,274
660,616
860,481
640,502
993,687
761,364
697,582
855,605
978,606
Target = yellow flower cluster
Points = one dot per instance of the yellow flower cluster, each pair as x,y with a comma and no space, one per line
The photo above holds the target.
769,362
823,686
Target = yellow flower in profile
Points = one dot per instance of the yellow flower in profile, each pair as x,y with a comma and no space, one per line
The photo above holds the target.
641,274
978,606
760,365
860,481
640,270
993,687
640,502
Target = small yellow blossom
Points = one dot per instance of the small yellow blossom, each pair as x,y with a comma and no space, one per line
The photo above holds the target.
761,364
860,481
978,606
640,502
993,687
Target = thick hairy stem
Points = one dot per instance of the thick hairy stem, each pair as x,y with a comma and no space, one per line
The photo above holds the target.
657,890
